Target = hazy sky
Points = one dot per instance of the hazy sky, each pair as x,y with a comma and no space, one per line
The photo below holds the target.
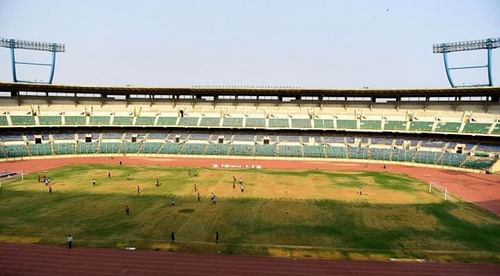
307,43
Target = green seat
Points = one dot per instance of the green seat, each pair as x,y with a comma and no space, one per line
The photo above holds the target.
143,121
75,120
496,130
50,120
87,148
335,152
16,150
279,123
22,120
209,121
290,150
421,126
395,125
188,121
347,124
482,128
151,147
123,120
478,164
402,155
453,159
3,121
255,122
167,121
452,127
40,149
170,148
380,154
109,147
241,149
313,151
265,150
129,147
323,123
217,149
357,153
301,123
64,148
371,124
233,122
100,120
426,157
193,148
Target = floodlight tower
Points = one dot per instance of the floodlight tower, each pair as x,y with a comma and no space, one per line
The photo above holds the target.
14,44
445,48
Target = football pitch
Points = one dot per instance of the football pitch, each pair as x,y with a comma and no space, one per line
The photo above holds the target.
311,213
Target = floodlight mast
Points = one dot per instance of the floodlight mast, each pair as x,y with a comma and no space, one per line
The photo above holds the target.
445,48
14,44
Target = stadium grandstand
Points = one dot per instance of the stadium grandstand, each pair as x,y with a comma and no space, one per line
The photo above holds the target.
457,128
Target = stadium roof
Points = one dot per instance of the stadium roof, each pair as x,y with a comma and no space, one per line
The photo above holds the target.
258,91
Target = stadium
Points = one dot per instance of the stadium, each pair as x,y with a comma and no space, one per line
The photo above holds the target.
248,179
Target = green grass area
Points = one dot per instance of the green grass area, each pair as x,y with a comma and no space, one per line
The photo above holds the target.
281,213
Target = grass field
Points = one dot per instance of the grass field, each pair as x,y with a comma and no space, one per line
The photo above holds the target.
281,213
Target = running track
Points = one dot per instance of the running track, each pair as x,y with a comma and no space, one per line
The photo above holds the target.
40,260
22,259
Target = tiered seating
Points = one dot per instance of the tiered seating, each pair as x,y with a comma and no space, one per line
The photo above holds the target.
427,157
395,125
145,121
193,148
232,122
241,149
151,147
64,148
301,123
479,164
157,135
255,122
123,120
279,123
313,151
453,159
109,147
432,144
100,120
170,148
87,148
188,121
16,150
323,123
347,124
167,121
75,120
335,152
290,150
380,154
22,120
129,147
371,124
334,139
452,127
477,128
3,121
402,155
210,121
112,135
40,149
265,150
357,152
217,149
2,152
421,126
381,141
49,120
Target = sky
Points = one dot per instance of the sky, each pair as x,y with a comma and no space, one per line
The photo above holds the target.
309,43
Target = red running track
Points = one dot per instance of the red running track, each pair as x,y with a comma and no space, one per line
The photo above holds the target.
481,189
40,260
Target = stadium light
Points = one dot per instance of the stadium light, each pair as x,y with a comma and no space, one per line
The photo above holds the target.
14,44
483,44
